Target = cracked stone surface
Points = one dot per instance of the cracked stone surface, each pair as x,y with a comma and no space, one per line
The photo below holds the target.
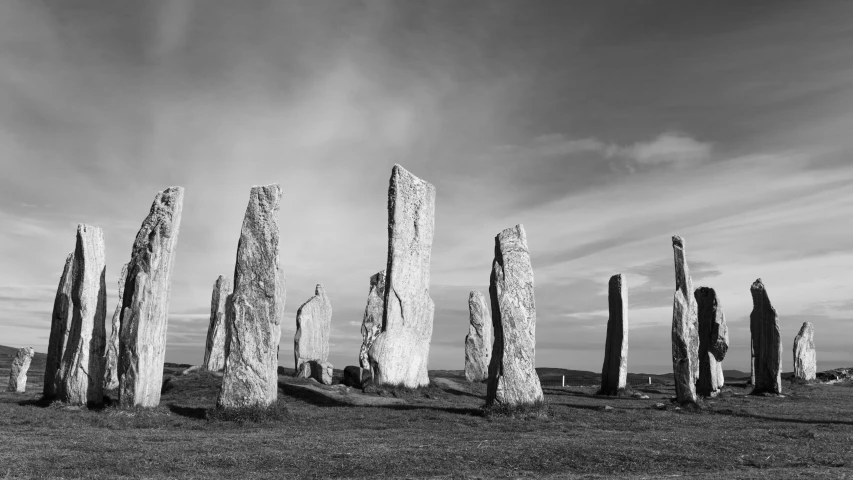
313,322
713,342
685,332
614,373
18,373
60,325
766,342
214,348
805,355
371,324
111,364
478,342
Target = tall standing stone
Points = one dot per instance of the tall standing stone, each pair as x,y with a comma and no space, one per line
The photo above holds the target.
805,356
512,372
713,342
766,342
214,349
685,335
614,373
478,342
59,326
253,312
18,374
400,352
145,303
313,322
371,324
111,364
81,373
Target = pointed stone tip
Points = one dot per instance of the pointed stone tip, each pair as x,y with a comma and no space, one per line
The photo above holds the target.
677,241
319,290
758,285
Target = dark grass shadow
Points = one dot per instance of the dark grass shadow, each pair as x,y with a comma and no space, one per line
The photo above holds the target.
468,411
733,413
462,393
41,402
197,413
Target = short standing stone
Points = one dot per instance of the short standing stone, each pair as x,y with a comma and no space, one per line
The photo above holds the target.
254,311
614,373
805,356
214,349
478,342
320,371
400,352
713,342
59,327
685,335
111,366
512,372
356,377
766,342
371,324
313,322
145,303
20,365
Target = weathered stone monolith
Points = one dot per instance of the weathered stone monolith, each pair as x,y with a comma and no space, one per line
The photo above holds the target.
59,326
145,303
371,324
111,364
685,335
313,322
478,342
713,342
400,352
214,348
512,372
805,356
766,342
254,311
81,372
614,373
320,371
18,374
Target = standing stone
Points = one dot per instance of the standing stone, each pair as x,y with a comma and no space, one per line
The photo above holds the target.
713,342
614,373
214,350
313,322
400,352
766,342
81,373
253,312
805,357
478,342
371,325
145,303
59,326
111,367
512,372
685,335
20,365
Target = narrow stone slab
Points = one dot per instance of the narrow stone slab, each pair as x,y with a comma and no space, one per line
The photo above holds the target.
400,352
371,324
685,335
805,356
60,325
18,374
766,342
145,303
214,349
614,373
512,372
313,322
254,311
111,363
713,342
478,342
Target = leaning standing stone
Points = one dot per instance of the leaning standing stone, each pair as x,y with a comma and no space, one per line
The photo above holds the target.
59,325
400,352
512,372
685,335
111,367
253,312
713,342
766,342
313,322
614,374
371,324
20,365
145,303
478,342
805,356
214,349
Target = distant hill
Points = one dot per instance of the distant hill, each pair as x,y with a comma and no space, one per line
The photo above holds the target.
735,374
7,354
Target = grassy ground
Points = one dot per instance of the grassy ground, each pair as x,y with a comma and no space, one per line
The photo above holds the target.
439,431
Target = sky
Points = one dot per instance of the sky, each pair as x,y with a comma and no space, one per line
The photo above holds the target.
603,127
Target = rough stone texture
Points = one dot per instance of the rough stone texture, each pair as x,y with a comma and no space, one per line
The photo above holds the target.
805,357
512,372
313,322
111,363
320,371
356,377
254,311
685,335
400,352
478,342
81,372
766,342
214,349
614,373
145,303
18,374
371,325
59,326
713,342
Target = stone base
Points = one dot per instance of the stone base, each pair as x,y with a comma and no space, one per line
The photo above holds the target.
320,371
